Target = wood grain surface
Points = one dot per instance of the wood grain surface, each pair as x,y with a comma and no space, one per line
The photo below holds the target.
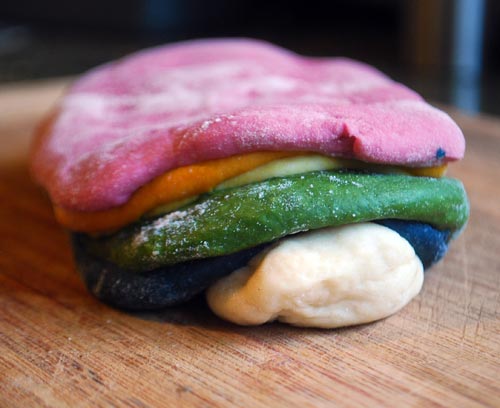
61,347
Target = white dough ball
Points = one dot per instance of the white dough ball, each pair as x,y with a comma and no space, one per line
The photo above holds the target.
326,278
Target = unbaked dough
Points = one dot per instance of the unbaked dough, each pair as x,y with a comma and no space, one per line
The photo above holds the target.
326,278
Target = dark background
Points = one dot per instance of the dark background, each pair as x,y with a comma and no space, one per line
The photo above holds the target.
448,50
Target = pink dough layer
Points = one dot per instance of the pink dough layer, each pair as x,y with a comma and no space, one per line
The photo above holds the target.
125,123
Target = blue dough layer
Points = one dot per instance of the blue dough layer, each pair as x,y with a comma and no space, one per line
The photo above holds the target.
159,288
429,243
179,283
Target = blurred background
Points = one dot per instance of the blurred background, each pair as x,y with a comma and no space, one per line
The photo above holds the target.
448,50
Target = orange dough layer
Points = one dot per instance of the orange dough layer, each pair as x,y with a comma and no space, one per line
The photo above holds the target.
177,184
436,172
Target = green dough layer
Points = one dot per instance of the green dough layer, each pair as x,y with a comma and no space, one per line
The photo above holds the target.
231,220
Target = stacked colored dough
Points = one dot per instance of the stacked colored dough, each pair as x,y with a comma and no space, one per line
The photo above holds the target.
179,166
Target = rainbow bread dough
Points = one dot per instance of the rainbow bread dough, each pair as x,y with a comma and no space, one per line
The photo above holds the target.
125,124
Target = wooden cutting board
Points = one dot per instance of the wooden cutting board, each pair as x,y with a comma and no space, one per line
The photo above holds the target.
61,347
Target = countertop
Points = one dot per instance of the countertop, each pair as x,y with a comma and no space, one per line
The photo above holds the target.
60,347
